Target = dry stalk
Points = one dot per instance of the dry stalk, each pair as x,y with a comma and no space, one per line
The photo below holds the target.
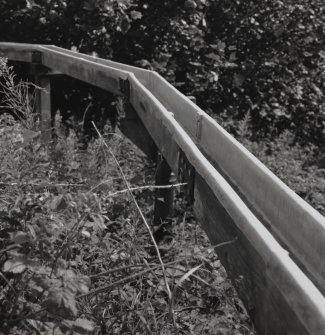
138,209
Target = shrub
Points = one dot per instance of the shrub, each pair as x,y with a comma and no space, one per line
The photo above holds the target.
77,254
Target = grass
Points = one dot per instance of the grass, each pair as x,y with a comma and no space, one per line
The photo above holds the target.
77,253
301,167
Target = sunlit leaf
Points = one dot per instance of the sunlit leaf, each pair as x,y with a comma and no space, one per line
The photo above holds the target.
135,15
19,237
83,326
61,301
15,265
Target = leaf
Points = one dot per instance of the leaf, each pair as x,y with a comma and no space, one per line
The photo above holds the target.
83,283
29,135
278,30
18,263
180,281
58,203
177,271
233,56
214,77
279,112
19,237
186,275
190,4
317,90
85,233
61,301
213,57
15,265
238,79
83,326
30,4
221,45
99,223
135,15
53,330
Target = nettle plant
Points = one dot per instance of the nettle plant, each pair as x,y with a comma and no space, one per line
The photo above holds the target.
37,285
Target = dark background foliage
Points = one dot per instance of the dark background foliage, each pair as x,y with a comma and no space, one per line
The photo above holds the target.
265,58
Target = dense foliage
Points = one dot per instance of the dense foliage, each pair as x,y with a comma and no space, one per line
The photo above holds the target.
76,256
265,58
258,67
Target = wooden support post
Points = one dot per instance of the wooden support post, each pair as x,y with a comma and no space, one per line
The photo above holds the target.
43,105
164,198
132,127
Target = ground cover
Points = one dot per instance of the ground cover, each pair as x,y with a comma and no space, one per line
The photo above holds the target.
300,166
76,248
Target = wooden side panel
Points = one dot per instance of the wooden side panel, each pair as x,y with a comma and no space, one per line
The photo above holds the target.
17,52
300,227
245,267
279,296
132,127
102,76
144,76
152,119
164,198
184,110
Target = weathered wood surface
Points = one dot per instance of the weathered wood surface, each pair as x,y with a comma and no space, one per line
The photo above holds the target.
164,197
277,293
299,226
280,297
132,127
17,51
102,76
253,277
144,76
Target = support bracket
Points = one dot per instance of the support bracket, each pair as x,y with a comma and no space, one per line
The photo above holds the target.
125,87
36,57
186,174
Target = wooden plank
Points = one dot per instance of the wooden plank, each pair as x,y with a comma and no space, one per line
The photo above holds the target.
286,284
300,227
102,76
150,115
132,127
143,75
17,51
287,290
249,272
184,110
164,197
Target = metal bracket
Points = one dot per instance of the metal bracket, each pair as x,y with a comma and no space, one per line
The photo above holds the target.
186,174
37,57
198,127
125,87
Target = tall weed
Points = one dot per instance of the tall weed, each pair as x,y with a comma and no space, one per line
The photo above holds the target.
76,256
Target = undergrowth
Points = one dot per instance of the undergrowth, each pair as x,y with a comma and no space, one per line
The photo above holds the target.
301,167
76,249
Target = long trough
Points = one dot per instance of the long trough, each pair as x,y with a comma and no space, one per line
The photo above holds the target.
277,261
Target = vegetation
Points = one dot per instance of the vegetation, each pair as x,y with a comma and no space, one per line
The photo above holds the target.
300,167
72,259
235,57
77,254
